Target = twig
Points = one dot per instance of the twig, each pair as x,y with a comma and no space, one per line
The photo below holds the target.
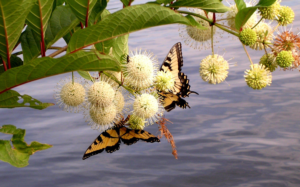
58,51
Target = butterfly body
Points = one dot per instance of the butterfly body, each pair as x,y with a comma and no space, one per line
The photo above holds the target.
181,89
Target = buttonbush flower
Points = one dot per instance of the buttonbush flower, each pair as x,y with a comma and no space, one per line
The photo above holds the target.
70,95
285,59
258,77
164,81
248,37
285,16
101,118
101,94
270,12
214,69
140,70
136,122
195,37
264,34
148,107
269,61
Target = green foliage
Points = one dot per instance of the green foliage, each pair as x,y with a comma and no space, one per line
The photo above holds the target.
86,75
46,67
60,24
15,62
18,156
195,23
240,4
39,16
95,15
82,8
244,14
207,5
12,18
122,22
12,99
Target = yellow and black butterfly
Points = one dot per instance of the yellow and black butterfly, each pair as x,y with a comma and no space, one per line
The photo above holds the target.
173,63
110,139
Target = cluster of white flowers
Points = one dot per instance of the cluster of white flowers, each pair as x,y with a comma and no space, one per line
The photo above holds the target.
104,102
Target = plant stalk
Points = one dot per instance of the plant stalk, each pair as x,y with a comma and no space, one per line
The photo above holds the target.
58,51
247,54
257,23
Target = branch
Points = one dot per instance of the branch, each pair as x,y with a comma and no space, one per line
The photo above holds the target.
58,51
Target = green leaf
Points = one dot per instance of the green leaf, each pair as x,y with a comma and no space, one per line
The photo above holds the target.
12,99
39,16
95,15
244,14
122,22
60,24
81,8
12,18
85,74
116,46
195,23
57,3
207,5
15,62
126,2
240,4
30,43
46,67
18,156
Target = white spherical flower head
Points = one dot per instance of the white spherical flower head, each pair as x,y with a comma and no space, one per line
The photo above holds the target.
119,101
214,69
102,118
101,94
148,107
264,33
231,14
164,81
70,95
195,37
140,69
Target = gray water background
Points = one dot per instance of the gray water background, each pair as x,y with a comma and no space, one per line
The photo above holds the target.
232,136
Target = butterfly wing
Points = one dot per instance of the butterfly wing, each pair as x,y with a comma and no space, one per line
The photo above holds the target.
108,140
130,136
171,100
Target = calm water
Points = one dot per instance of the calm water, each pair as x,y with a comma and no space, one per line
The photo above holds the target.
232,136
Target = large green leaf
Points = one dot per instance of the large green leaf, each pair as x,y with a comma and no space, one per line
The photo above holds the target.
61,23
122,22
240,4
39,16
12,99
46,67
82,8
30,42
207,5
95,15
244,14
12,18
18,156
195,23
116,46
15,62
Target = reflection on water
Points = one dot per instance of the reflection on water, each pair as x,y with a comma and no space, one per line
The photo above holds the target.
232,136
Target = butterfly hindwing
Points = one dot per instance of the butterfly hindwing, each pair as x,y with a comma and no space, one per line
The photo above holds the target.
108,140
170,101
132,136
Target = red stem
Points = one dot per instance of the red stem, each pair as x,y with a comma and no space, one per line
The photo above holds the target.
8,61
43,50
87,14
81,25
4,65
